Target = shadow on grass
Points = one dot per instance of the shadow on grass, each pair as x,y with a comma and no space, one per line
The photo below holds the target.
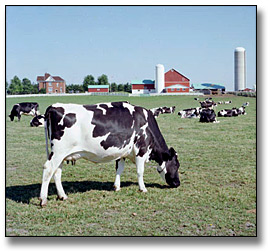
24,193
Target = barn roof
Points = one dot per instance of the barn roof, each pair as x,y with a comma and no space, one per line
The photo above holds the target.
98,86
142,82
208,86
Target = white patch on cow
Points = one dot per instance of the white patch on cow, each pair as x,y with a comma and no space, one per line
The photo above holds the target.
145,114
104,111
129,107
162,170
223,112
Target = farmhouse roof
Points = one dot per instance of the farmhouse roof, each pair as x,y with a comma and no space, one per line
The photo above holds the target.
47,75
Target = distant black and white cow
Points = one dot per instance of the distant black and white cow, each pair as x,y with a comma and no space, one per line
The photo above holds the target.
24,108
241,110
37,121
246,104
162,110
207,116
227,102
102,133
168,110
231,112
207,104
190,113
227,113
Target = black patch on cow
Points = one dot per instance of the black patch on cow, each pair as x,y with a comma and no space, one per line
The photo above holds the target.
117,121
53,116
50,155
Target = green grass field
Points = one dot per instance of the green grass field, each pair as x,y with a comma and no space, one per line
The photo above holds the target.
217,195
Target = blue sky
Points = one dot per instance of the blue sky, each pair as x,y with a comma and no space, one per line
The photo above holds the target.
126,43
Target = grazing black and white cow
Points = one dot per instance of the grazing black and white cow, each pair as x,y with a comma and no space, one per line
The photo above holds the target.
190,113
207,116
37,121
102,133
24,108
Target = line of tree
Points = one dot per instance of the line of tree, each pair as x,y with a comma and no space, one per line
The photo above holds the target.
101,80
17,86
24,86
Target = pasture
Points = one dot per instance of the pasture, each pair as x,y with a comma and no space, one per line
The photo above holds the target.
217,195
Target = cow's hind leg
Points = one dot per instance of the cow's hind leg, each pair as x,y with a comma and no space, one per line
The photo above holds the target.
120,165
57,178
50,167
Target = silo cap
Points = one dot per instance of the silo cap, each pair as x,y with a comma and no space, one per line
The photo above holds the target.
159,65
239,49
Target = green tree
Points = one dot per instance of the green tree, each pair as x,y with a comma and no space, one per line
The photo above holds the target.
127,88
15,86
35,88
88,80
120,87
113,87
42,91
27,86
102,80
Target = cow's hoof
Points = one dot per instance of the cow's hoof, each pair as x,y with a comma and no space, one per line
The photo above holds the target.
143,190
43,202
116,188
65,197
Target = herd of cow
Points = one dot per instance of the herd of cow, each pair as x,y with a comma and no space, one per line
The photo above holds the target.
109,131
205,113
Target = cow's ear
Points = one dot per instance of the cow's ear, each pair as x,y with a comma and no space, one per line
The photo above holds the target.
165,156
172,152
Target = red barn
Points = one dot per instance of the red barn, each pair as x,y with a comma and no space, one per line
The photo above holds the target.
98,88
175,82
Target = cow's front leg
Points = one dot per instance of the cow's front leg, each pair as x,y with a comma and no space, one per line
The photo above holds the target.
57,178
120,165
140,173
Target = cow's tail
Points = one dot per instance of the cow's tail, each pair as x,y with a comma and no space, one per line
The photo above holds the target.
46,138
47,130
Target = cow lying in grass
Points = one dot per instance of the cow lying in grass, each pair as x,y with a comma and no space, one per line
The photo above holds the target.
162,110
190,113
231,112
207,116
37,121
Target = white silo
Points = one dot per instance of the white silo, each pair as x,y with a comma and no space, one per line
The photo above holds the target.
159,80
239,68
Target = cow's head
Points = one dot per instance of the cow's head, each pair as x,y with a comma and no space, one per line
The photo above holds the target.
169,168
11,116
